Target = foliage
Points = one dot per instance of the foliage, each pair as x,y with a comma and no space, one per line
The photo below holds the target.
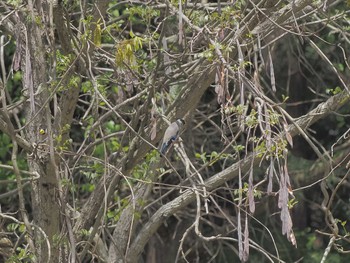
259,172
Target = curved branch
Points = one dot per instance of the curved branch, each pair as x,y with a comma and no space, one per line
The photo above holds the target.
4,127
321,111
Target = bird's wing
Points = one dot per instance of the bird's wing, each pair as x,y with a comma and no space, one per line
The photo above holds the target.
169,137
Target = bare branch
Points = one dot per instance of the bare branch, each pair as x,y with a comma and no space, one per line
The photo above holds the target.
321,111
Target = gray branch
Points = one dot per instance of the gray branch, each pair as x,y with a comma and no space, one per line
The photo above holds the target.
321,111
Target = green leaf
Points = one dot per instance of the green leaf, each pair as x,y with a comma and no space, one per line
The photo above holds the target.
12,227
22,228
97,35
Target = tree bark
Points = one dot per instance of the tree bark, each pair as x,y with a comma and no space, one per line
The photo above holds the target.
46,215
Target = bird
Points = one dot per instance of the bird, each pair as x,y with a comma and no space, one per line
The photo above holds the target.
171,134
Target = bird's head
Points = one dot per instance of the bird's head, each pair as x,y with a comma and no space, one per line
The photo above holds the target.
180,122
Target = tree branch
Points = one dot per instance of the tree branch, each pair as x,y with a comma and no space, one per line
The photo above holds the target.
321,111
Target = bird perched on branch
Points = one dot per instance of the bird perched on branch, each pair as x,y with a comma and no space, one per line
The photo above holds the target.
171,134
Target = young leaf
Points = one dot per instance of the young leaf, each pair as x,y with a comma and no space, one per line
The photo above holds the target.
97,35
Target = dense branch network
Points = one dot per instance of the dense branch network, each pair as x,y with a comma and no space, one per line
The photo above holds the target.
115,72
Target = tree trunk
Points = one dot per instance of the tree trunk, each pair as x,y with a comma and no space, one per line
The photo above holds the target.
45,204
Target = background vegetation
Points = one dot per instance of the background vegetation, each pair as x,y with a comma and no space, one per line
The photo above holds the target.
259,174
